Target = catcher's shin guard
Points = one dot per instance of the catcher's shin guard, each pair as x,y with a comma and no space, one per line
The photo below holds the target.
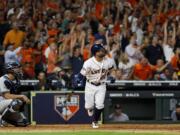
15,118
12,115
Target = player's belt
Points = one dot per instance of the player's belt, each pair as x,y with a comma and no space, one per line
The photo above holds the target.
93,83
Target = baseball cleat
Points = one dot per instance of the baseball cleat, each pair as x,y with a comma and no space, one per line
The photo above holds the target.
90,112
95,125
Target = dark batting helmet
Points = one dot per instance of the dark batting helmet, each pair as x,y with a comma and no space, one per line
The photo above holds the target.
12,65
96,48
14,68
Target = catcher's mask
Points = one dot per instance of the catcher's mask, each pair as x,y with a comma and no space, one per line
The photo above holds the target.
15,69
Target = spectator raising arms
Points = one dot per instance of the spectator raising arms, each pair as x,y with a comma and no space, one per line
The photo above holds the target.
142,70
139,28
169,41
133,51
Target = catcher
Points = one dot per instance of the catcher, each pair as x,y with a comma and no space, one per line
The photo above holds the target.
11,101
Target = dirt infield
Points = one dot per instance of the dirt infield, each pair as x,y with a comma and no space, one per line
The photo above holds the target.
85,127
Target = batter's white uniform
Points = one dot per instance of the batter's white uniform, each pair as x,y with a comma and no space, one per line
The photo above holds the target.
96,75
3,102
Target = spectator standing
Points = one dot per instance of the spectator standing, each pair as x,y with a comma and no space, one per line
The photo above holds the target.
177,45
11,54
100,37
27,60
169,42
76,60
14,36
38,57
126,66
133,51
41,34
154,51
52,58
142,70
5,26
175,60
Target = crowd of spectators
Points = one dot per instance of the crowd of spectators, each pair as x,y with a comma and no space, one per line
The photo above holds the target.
52,38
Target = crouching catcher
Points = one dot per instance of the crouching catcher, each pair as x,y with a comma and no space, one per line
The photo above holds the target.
11,101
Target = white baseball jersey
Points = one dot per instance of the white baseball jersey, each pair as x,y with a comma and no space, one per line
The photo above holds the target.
95,71
96,75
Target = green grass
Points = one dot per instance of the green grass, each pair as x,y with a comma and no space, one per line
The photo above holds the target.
89,133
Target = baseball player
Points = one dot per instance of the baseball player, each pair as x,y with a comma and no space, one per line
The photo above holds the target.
95,69
11,102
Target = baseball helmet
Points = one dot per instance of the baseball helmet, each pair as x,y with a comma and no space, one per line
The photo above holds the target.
13,67
96,48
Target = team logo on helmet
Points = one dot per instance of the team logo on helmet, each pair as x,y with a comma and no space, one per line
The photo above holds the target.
66,106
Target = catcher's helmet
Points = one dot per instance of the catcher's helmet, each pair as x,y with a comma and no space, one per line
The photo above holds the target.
96,48
12,65
14,68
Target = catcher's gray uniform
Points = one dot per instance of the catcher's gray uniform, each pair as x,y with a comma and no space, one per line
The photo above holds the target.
4,103
11,102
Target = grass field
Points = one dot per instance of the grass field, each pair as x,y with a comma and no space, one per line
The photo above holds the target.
91,133
86,129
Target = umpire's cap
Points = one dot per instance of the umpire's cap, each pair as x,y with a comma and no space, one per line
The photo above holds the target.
96,48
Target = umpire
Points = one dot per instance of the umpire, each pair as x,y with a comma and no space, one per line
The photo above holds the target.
11,101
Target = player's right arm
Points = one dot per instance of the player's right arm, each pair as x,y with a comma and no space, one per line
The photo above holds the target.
23,98
84,69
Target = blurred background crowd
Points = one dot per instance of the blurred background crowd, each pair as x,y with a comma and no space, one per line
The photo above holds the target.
52,38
